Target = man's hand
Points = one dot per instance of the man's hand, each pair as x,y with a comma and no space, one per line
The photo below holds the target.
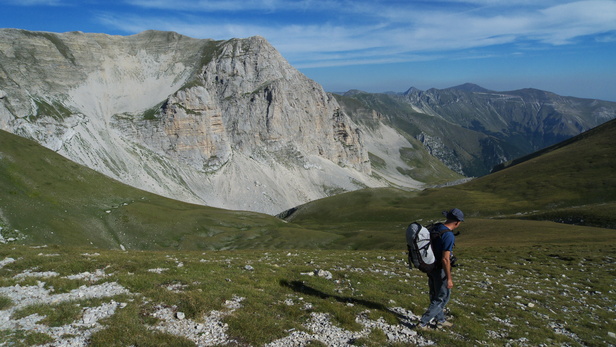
449,284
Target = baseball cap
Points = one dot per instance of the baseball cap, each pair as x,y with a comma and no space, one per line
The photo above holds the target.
454,214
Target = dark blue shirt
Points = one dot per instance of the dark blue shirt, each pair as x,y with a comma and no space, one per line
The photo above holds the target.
444,243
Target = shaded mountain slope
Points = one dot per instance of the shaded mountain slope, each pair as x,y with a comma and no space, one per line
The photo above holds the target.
392,148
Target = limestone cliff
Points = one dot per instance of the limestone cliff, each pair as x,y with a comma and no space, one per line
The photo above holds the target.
223,123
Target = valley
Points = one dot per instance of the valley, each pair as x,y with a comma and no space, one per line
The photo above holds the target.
231,124
210,194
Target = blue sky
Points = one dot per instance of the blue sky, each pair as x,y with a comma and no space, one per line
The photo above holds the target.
567,47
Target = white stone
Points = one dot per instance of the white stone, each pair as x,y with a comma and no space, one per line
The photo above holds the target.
323,273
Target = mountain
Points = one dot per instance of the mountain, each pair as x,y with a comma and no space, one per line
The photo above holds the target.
231,124
471,129
466,87
571,182
49,200
223,123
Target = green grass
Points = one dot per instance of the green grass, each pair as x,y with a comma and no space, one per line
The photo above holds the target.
48,199
21,338
151,113
55,315
55,110
5,302
568,286
570,184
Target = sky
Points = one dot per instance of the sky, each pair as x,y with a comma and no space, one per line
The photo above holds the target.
566,47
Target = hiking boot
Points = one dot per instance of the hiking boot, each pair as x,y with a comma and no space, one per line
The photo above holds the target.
444,324
423,327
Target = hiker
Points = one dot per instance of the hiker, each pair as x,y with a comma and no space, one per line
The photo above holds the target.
439,279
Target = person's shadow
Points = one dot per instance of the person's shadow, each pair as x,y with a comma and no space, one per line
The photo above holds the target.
301,287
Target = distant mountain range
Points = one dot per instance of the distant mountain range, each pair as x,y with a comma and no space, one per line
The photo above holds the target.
231,124
473,129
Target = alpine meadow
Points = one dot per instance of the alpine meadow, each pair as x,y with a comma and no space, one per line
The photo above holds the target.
160,190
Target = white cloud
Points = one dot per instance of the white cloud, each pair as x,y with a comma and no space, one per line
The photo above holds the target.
363,31
36,2
234,5
560,24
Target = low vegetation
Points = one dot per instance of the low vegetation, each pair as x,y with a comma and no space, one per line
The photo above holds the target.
537,257
556,293
567,184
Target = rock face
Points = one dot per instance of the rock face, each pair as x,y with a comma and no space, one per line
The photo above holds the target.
471,129
528,118
250,98
223,123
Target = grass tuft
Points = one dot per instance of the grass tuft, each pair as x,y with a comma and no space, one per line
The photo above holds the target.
527,293
5,302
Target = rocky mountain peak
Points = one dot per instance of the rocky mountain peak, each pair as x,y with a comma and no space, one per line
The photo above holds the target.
412,90
224,123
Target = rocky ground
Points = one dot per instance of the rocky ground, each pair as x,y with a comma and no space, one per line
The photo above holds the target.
209,331
530,300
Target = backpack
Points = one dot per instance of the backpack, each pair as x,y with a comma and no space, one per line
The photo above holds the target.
419,243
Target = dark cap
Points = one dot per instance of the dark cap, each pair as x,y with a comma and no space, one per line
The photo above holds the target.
454,214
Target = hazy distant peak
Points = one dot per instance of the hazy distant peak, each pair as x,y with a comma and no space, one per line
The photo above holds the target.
469,87
354,92
412,90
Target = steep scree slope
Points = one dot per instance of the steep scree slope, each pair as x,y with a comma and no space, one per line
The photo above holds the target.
223,123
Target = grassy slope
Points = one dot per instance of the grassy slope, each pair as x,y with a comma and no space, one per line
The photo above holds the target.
577,176
573,183
50,199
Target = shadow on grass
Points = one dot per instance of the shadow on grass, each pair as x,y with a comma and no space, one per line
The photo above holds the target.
301,287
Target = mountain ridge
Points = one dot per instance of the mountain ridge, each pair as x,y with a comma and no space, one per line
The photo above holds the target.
232,124
479,128
223,123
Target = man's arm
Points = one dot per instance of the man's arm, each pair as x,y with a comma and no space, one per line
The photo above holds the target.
447,267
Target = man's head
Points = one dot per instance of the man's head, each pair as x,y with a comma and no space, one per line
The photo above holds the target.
454,218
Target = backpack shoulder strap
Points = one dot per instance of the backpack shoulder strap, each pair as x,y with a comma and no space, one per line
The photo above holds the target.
437,234
440,233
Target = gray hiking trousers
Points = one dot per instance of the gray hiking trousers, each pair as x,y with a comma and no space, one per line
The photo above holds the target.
439,297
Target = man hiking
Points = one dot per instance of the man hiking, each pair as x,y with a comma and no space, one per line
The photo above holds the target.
439,279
